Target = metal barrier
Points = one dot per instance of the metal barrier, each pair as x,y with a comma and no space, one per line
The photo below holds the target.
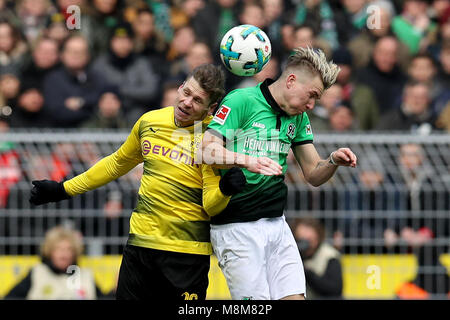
402,181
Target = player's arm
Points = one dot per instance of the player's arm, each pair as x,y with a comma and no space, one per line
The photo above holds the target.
214,152
103,172
217,190
318,171
229,118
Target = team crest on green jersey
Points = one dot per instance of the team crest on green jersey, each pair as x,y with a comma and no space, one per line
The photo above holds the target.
291,130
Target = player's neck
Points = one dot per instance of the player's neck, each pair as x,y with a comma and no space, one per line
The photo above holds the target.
276,90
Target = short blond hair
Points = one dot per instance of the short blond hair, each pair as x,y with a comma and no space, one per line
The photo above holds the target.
315,62
57,234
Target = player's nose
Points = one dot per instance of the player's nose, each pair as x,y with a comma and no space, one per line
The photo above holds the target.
188,101
310,104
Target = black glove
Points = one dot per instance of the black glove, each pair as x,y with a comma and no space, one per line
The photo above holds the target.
47,191
232,182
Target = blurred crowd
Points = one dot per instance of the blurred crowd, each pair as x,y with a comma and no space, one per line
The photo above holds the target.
106,64
118,59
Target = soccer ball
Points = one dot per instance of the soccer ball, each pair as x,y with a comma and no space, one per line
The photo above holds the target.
245,50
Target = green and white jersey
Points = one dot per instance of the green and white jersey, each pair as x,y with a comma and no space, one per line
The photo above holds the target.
251,122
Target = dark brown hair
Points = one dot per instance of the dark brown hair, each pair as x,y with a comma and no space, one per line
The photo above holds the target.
211,78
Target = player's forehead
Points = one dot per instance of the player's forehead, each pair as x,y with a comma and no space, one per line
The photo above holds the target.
195,89
313,84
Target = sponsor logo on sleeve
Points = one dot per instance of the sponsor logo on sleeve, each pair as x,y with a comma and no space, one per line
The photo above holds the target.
222,115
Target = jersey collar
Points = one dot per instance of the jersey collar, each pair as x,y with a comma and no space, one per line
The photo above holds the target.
269,98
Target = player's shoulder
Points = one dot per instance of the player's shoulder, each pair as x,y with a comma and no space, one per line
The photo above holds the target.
243,93
240,98
157,115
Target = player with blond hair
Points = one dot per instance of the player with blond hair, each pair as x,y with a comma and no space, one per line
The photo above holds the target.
255,128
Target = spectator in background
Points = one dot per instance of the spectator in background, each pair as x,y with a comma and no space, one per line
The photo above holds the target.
161,10
214,20
252,13
319,15
183,12
351,19
44,59
383,74
322,262
108,114
422,68
72,91
366,194
361,97
304,36
414,114
413,27
98,21
7,12
319,116
29,109
443,34
443,119
443,79
9,91
362,45
29,112
131,73
148,41
342,118
13,48
33,15
199,53
415,175
415,171
444,59
56,28
50,279
273,14
170,91
183,39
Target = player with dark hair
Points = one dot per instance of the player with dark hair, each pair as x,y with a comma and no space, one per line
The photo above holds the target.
167,253
255,128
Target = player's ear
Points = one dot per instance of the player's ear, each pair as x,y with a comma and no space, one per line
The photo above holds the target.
290,80
212,108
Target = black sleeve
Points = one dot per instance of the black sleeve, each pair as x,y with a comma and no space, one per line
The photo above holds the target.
21,289
330,284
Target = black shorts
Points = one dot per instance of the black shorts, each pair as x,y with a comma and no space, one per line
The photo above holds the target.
149,274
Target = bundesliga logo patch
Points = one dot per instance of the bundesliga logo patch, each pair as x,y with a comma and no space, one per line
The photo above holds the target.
222,114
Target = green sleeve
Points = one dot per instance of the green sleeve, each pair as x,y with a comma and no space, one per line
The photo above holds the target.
303,134
408,34
231,115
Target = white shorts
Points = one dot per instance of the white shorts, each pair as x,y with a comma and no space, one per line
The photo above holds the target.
259,259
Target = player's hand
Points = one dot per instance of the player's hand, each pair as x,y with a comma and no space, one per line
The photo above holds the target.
344,157
262,165
45,191
232,182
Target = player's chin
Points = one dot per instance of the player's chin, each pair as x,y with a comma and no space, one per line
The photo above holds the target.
181,115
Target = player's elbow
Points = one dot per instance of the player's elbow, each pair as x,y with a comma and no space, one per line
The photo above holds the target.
315,182
211,210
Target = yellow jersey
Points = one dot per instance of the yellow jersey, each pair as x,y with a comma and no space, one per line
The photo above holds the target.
176,197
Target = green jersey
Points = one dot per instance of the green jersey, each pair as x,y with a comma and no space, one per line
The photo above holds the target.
251,122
